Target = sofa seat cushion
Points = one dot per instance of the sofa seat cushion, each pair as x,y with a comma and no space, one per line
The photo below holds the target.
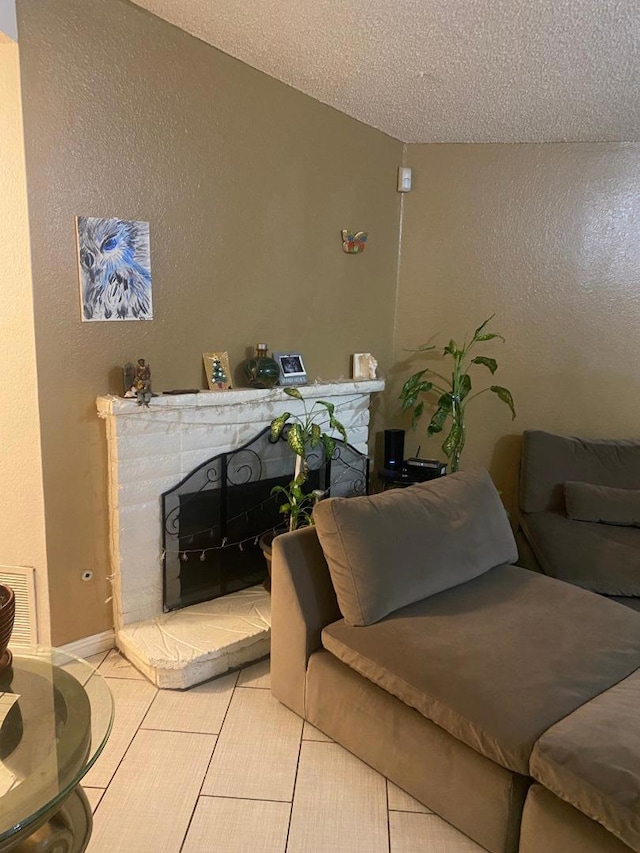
498,660
599,557
388,550
591,759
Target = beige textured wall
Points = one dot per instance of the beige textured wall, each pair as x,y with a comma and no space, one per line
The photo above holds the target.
246,184
545,236
22,532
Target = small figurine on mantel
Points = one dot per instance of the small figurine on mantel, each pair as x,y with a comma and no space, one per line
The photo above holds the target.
137,381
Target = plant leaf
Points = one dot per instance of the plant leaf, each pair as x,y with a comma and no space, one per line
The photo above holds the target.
412,387
437,421
293,392
446,402
277,425
316,435
465,385
453,439
295,440
451,348
477,334
417,414
412,382
329,445
335,424
491,363
505,395
409,401
328,406
489,336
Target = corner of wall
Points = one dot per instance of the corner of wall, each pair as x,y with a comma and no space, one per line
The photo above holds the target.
22,524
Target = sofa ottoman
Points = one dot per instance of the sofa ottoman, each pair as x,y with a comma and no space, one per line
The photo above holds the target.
591,760
549,825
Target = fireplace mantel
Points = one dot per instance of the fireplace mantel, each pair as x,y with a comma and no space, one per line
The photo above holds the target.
163,403
149,451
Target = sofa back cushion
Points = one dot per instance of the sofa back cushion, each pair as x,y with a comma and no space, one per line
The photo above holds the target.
388,550
549,461
604,504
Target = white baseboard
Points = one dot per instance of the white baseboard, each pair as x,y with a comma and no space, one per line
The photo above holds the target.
91,645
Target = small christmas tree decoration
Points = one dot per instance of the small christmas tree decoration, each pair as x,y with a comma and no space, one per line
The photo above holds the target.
218,372
218,376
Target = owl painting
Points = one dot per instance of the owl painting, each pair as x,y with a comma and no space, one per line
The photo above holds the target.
115,269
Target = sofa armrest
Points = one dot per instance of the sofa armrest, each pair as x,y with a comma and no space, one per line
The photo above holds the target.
303,602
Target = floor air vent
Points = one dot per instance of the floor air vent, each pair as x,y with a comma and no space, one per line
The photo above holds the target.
21,579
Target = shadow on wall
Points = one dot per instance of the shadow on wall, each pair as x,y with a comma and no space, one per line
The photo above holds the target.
388,412
504,468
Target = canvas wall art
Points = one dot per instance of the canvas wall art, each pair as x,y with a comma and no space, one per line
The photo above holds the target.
115,269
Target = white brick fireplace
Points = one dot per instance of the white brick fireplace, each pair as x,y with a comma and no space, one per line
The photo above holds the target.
149,451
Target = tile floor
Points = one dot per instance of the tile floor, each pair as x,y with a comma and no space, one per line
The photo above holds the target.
224,767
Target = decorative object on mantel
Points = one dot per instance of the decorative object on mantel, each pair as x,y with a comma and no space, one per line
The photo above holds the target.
364,365
216,365
292,369
262,371
354,243
7,615
453,393
137,381
115,269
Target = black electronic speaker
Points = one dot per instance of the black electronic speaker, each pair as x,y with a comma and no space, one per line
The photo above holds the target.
393,449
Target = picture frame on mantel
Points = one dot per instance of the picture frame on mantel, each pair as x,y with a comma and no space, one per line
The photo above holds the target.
216,366
292,369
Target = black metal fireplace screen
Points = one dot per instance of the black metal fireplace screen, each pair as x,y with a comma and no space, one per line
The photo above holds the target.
214,517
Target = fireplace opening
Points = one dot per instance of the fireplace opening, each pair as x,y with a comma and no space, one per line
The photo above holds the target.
213,518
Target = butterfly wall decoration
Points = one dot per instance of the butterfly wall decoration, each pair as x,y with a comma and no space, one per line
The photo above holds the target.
353,243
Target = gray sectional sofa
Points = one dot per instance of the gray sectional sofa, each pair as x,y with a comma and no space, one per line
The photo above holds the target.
505,700
580,512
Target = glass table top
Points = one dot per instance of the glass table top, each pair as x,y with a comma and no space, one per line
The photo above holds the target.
56,713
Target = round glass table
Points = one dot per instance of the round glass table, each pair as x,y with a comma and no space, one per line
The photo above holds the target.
56,713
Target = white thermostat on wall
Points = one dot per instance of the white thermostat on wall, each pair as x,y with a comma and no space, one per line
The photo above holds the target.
404,179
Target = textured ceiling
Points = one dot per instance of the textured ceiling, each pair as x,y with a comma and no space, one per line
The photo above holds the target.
443,70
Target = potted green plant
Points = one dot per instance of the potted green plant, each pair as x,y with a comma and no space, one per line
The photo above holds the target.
303,433
454,392
298,504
